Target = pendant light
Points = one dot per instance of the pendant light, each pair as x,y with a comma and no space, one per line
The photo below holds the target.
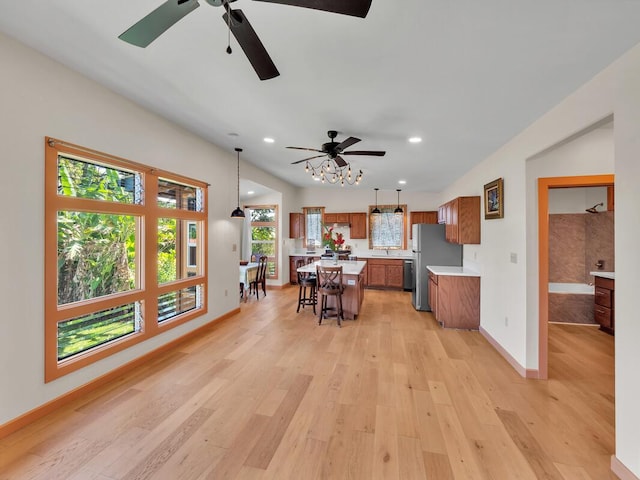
398,210
376,211
238,212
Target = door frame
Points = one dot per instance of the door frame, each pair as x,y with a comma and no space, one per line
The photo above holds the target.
544,184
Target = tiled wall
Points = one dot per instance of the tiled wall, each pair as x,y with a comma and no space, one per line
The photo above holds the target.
576,242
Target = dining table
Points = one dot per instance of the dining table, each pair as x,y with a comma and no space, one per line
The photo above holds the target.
248,274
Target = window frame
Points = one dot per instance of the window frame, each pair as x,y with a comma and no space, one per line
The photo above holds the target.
275,225
147,290
390,208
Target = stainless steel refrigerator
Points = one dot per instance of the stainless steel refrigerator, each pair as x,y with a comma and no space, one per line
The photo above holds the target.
430,248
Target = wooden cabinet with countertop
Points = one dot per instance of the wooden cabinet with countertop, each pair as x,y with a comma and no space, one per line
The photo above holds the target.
385,273
455,300
604,311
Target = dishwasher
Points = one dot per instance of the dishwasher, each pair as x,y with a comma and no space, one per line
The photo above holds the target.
409,276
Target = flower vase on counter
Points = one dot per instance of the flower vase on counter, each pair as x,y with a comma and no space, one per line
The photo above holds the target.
332,243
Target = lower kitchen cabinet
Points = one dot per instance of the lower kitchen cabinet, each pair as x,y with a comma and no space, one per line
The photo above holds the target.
455,300
385,273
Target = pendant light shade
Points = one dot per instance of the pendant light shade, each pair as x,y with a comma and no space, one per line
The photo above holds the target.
376,211
238,212
398,210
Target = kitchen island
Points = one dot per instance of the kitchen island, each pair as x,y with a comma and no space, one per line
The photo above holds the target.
353,280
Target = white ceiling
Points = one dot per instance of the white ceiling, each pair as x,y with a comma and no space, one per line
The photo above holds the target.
465,75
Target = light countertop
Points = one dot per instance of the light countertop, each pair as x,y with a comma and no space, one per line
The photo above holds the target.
391,256
453,271
611,275
348,267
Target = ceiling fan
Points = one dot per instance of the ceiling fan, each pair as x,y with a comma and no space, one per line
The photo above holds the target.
162,18
333,150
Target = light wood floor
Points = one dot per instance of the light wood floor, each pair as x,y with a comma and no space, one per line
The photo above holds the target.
268,394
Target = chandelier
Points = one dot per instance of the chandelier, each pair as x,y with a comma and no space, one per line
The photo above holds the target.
329,171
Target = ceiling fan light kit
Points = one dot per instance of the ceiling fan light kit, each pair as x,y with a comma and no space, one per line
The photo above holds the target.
334,168
149,28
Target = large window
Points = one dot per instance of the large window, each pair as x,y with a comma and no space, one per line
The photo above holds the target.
313,227
123,254
387,229
264,235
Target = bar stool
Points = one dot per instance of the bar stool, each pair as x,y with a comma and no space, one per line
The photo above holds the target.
306,280
329,281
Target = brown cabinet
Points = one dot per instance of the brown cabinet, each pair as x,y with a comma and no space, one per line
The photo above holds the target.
422,217
358,223
455,300
336,218
442,214
385,273
296,225
433,294
603,310
462,220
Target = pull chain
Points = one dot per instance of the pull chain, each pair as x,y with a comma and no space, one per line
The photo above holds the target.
229,31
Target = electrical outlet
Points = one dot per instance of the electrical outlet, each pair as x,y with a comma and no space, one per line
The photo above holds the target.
506,321
226,292
475,255
234,247
514,257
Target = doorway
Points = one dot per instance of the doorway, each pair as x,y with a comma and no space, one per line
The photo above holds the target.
544,185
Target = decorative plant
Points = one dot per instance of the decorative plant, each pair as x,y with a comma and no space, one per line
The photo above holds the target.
331,242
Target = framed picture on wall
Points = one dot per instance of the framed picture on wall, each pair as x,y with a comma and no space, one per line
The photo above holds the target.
493,200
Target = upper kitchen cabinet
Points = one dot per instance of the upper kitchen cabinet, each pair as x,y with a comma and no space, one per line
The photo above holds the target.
422,217
358,223
336,218
296,225
462,220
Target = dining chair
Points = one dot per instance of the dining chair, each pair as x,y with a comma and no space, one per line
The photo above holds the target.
261,277
329,281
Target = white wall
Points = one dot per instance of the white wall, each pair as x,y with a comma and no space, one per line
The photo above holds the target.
39,98
627,231
510,291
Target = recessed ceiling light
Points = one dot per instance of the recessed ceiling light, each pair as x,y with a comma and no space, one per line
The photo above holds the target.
250,192
269,140
317,178
233,134
402,182
415,139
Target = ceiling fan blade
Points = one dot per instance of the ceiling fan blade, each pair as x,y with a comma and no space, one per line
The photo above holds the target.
340,161
355,8
157,22
372,153
346,143
306,159
251,45
303,148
